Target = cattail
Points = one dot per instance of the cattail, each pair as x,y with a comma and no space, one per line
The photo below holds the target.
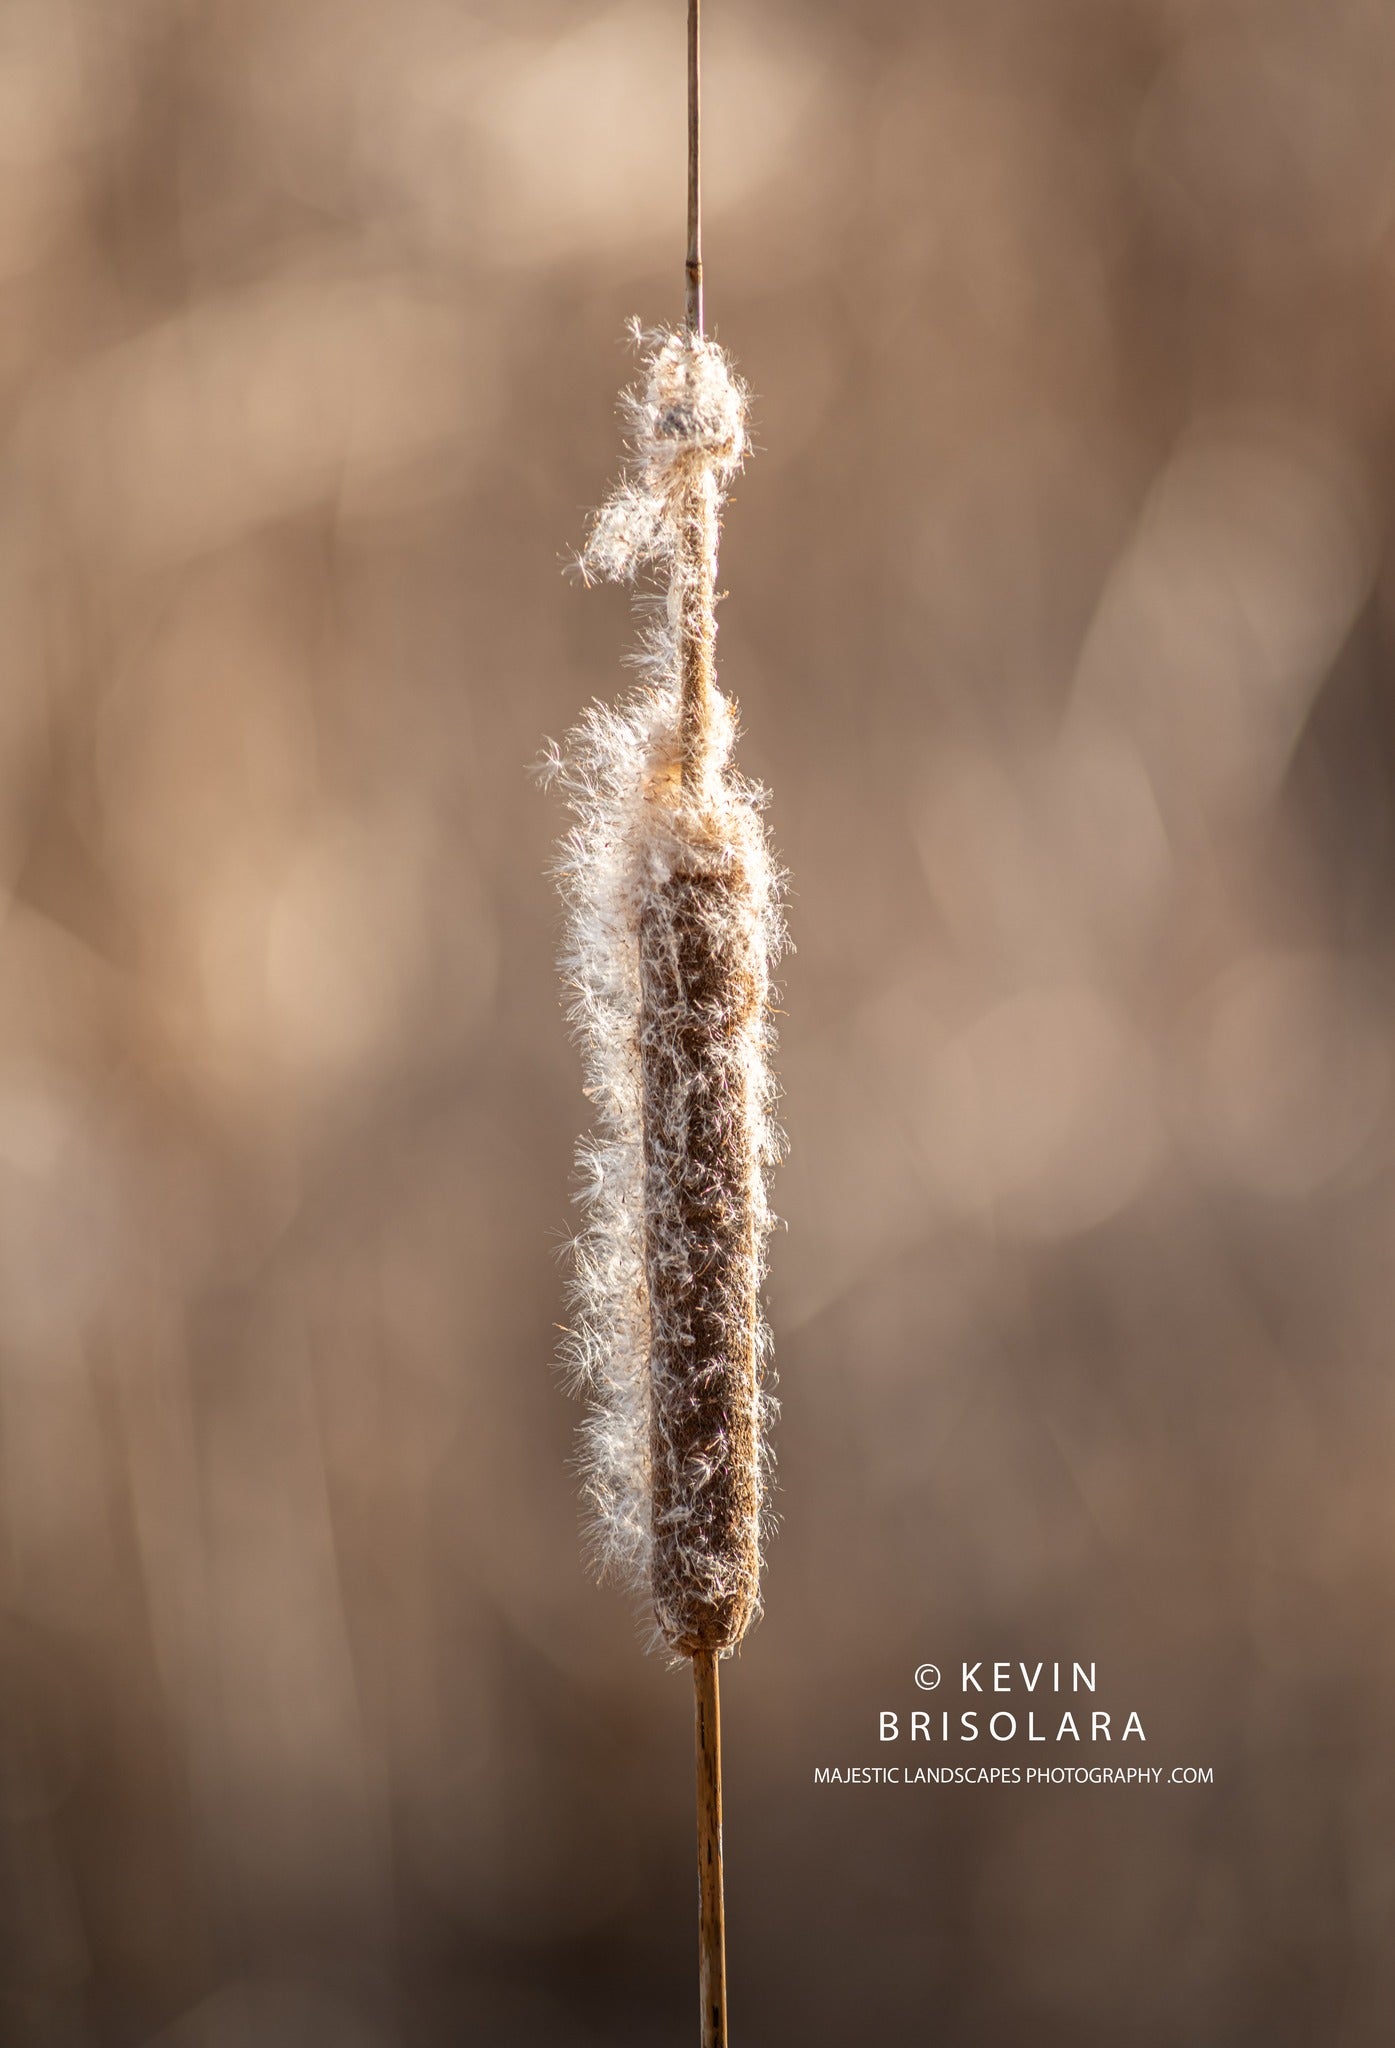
673,927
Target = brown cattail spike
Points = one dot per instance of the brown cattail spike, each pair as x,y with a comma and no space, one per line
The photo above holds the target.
701,997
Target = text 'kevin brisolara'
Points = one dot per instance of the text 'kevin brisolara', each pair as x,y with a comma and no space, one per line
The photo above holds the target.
1076,1723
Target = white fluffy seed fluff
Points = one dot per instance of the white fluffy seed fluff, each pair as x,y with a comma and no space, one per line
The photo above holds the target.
673,924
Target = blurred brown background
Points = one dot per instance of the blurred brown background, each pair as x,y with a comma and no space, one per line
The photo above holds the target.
1061,619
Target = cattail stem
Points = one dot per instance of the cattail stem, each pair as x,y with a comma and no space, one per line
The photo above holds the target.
695,564
712,1948
693,296
694,587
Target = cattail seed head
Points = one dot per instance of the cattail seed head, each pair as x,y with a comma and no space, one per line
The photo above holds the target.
673,926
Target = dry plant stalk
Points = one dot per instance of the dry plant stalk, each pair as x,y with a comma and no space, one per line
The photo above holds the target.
673,927
674,924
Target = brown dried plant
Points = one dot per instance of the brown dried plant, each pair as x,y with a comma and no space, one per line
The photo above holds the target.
673,927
